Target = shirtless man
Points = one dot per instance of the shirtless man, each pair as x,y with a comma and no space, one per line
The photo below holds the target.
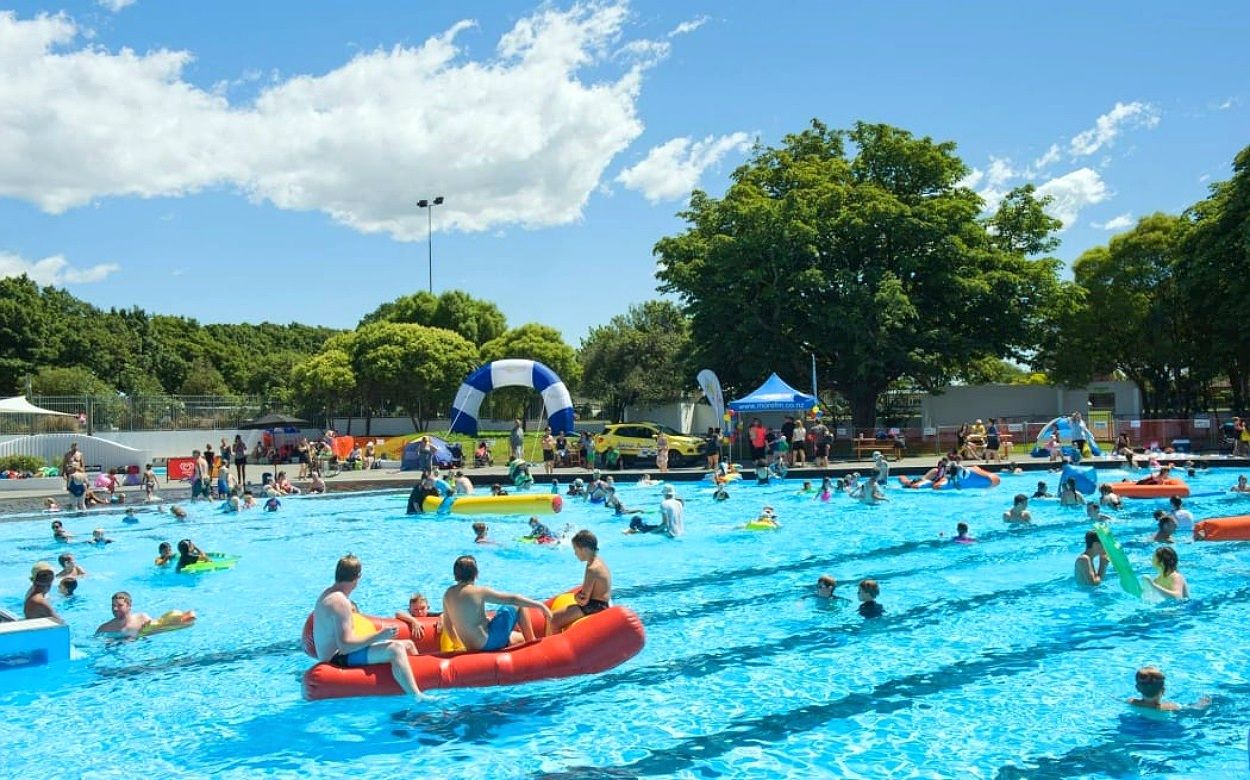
464,486
595,595
337,641
124,623
1085,574
1019,512
36,604
464,612
72,460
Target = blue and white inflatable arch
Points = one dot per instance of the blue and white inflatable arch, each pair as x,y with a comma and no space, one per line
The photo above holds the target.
512,373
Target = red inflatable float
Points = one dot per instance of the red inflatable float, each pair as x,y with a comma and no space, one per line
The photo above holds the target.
1223,529
1165,489
593,644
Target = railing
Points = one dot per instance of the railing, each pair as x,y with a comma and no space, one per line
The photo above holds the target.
92,413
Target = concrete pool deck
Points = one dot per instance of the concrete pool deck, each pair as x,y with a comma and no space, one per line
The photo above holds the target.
17,499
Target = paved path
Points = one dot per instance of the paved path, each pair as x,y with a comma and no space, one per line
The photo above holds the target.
391,479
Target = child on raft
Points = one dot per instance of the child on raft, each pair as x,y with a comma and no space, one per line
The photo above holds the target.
595,594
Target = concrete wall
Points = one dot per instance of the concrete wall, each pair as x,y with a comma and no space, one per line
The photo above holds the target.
96,451
962,404
164,444
684,416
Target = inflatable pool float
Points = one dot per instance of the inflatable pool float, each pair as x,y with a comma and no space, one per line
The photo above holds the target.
173,620
215,562
527,504
757,525
593,644
1119,560
1223,529
1086,478
974,477
1165,489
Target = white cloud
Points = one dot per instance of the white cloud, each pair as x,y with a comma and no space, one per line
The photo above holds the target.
521,137
115,5
672,169
688,26
1115,223
1051,156
1073,192
1227,104
54,270
1110,124
1000,171
973,178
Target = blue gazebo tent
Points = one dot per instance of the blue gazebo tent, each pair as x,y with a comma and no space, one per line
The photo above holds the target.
774,396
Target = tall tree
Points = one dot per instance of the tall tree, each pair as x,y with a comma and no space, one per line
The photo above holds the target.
875,263
1134,319
412,366
477,320
640,357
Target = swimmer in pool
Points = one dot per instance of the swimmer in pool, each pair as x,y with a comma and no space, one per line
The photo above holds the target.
1167,527
1069,495
164,554
464,612
961,534
538,531
69,567
1151,684
125,623
1108,498
721,493
50,504
337,641
868,592
1095,516
825,585
98,538
1042,491
595,595
1170,582
1242,486
1084,567
479,533
1019,512
418,607
178,511
59,533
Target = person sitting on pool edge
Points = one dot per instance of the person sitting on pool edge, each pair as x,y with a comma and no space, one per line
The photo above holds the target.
1084,566
595,594
868,592
1019,512
337,642
1170,582
464,612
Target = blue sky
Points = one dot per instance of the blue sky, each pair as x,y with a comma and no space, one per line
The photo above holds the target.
236,162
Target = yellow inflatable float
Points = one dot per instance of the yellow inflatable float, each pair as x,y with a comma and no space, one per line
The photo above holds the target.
519,504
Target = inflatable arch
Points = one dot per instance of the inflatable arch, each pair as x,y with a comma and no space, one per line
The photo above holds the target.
512,373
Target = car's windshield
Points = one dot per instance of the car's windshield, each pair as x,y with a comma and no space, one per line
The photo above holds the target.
669,430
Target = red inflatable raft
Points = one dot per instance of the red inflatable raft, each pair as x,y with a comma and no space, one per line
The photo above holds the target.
1165,489
593,644
1223,529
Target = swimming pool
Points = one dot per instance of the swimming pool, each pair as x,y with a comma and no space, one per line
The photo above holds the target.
987,663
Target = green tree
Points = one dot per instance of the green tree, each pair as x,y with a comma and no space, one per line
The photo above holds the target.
1134,319
1021,224
530,342
324,382
412,366
203,378
875,263
1211,274
639,357
72,380
476,320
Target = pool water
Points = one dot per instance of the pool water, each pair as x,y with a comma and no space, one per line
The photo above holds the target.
988,662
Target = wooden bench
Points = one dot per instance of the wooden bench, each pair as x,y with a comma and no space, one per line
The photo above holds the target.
863,448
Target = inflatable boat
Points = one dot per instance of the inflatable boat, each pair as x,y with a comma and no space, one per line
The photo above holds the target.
973,477
593,644
519,504
1223,529
1164,489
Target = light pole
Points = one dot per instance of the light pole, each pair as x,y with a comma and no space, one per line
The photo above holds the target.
429,231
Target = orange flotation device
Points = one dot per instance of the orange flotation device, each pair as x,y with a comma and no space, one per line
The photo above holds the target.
593,644
1165,489
1223,529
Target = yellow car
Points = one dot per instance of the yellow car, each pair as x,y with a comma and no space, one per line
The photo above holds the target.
635,441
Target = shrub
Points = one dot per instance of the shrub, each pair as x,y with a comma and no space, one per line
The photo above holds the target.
20,463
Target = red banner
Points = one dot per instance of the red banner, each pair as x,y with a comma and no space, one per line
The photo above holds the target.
179,469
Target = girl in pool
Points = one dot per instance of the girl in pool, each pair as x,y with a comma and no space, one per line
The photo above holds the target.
826,489
1241,486
1170,582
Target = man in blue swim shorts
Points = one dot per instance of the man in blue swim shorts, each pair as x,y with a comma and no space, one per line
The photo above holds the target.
464,612
338,642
